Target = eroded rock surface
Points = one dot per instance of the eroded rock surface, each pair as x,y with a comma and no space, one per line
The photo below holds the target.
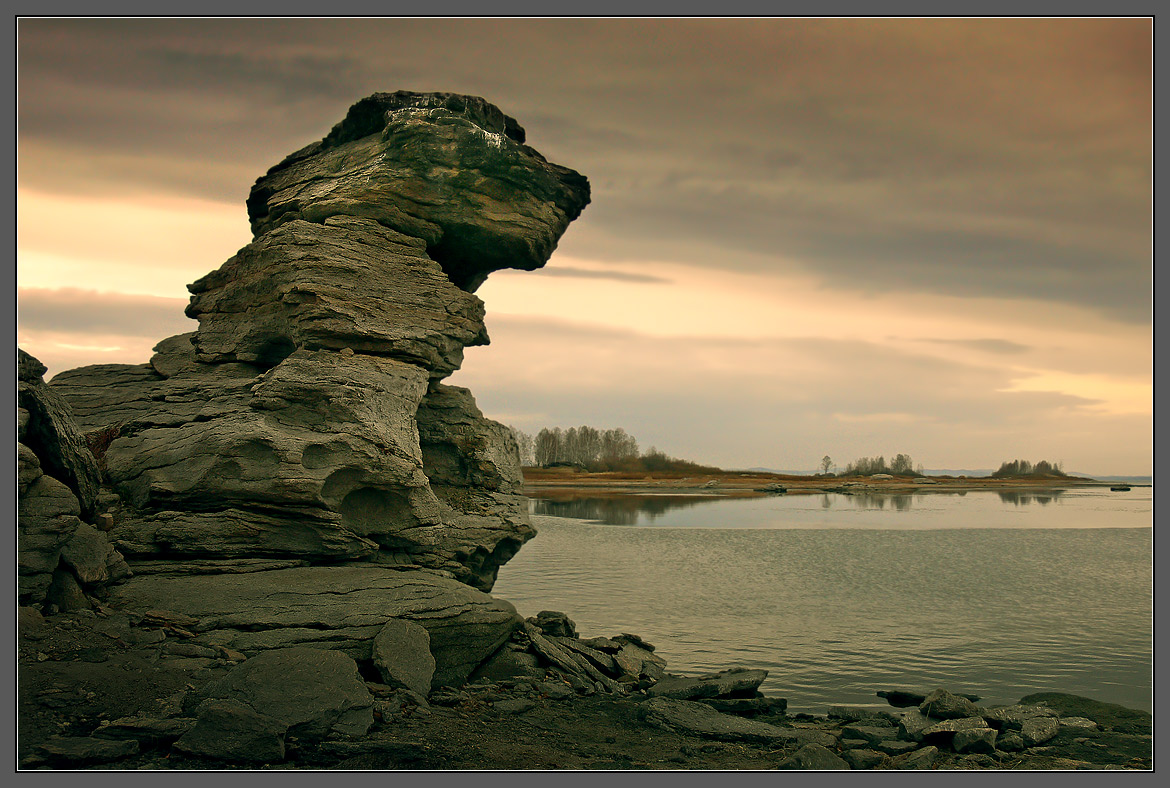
58,485
305,418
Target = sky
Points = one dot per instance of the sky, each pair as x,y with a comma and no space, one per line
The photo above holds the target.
843,236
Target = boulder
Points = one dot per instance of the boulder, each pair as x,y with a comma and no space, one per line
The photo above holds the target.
554,624
340,607
450,170
912,724
944,705
402,655
975,740
92,558
313,693
230,730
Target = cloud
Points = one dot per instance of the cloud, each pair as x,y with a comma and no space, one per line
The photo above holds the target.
780,403
589,273
1002,347
940,156
68,310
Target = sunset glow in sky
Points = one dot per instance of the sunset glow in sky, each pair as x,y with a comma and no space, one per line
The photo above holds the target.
807,236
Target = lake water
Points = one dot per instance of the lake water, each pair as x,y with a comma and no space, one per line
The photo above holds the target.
839,596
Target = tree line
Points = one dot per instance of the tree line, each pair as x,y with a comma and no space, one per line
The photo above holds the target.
595,450
1025,468
901,465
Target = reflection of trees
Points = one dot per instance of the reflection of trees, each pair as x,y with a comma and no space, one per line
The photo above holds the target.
1020,498
617,509
901,501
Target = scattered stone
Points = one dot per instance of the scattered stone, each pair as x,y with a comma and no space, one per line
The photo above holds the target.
554,624
863,715
974,740
554,691
513,705
894,747
862,758
869,734
508,663
1078,724
336,607
814,757
923,758
944,705
945,730
84,750
747,707
1013,717
912,724
402,655
228,730
148,731
1110,716
736,682
698,719
1010,741
1037,730
602,661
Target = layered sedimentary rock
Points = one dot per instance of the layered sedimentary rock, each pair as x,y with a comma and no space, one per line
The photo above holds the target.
304,427
59,554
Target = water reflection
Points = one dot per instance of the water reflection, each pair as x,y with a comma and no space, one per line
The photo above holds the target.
619,509
1042,497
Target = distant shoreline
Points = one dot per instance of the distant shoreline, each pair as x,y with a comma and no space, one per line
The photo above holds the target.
751,484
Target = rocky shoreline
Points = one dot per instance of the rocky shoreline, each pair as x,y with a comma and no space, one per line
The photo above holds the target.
105,689
272,545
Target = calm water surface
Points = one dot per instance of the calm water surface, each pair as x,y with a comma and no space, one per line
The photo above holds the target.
840,596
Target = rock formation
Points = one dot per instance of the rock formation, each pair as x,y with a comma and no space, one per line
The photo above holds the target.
301,441
59,556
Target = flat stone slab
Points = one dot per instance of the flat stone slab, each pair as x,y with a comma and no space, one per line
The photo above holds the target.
1013,717
84,750
340,607
701,720
728,683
